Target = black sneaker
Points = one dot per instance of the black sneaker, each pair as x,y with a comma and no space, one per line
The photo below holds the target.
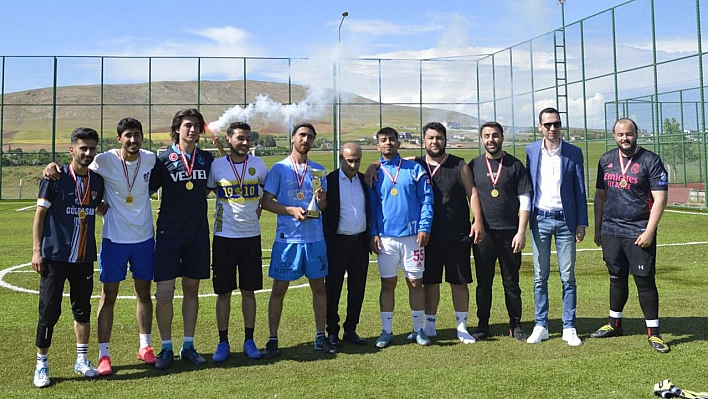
191,355
607,331
164,359
658,344
481,333
518,334
271,349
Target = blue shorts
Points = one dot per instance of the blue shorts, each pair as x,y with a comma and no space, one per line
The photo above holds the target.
289,262
182,257
114,258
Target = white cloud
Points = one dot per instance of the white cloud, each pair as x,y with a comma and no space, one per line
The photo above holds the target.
381,27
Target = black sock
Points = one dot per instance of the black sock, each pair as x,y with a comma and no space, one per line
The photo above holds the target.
653,331
615,322
223,336
249,333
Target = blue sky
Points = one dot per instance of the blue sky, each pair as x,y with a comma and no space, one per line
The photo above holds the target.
383,28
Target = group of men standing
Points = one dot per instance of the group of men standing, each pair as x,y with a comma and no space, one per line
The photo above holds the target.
413,214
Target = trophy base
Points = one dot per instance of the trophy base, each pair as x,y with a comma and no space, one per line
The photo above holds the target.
312,214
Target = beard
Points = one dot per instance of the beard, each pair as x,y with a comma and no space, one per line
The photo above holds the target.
432,153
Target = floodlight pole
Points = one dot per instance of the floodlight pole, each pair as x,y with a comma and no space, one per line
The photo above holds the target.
338,112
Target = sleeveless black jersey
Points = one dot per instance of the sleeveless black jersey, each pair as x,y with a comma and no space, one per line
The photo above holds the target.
183,212
451,212
626,211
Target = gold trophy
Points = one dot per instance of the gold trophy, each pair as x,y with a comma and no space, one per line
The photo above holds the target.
313,212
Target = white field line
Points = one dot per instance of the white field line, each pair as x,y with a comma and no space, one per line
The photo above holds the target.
27,208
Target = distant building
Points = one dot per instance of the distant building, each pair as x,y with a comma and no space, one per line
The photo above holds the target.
452,124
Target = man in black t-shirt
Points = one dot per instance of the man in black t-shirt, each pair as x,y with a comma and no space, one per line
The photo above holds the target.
504,188
631,195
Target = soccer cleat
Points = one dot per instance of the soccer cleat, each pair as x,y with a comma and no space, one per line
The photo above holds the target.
164,359
518,334
41,377
104,366
147,354
271,349
384,339
657,342
421,338
250,349
607,331
191,355
222,352
465,337
570,335
323,344
85,368
539,334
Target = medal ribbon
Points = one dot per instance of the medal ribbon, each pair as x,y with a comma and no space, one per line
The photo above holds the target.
188,167
495,180
398,170
432,172
239,179
296,167
125,171
81,196
624,168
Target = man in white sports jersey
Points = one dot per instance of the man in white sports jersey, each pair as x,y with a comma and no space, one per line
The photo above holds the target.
128,236
238,181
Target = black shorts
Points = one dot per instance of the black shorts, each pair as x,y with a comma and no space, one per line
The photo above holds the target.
230,255
454,257
182,257
621,255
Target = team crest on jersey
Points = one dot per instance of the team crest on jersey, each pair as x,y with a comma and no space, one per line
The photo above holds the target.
635,168
173,157
94,194
146,177
251,171
200,159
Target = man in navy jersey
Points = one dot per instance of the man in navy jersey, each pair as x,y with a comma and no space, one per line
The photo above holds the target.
452,234
299,249
182,236
504,189
64,248
237,180
631,195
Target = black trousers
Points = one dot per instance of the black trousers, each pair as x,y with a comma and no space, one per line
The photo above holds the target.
497,245
351,255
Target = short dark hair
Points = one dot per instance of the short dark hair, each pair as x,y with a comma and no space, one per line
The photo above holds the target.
186,113
492,124
437,126
306,125
387,131
128,123
83,133
237,125
549,110
636,129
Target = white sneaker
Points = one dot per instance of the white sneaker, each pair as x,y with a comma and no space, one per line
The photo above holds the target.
41,377
465,337
539,334
85,368
571,337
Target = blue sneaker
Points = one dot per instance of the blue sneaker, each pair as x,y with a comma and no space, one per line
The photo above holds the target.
164,359
191,355
222,352
41,377
384,339
323,344
85,368
250,349
421,338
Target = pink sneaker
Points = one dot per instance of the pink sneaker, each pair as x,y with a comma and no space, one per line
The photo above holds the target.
104,366
147,355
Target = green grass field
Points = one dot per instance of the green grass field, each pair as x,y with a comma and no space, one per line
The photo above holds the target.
624,367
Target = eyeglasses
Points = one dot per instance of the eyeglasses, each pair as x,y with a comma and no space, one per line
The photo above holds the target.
548,125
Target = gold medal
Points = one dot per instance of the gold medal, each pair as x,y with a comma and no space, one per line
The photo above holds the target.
240,200
394,191
495,193
189,185
300,196
129,199
82,214
316,184
623,183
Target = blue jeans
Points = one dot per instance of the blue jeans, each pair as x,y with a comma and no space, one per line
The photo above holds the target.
543,228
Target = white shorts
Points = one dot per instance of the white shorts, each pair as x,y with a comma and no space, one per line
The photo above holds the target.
403,251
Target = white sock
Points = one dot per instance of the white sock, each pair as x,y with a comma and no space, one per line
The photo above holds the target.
417,319
652,323
144,340
42,361
461,318
81,351
103,350
387,321
615,315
